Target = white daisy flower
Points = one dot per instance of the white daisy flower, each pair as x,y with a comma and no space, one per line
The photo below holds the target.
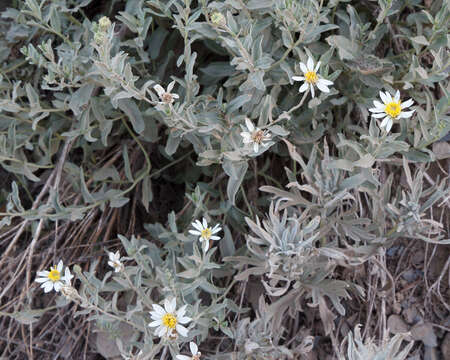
195,353
391,109
255,136
166,96
53,279
169,321
205,232
311,78
114,261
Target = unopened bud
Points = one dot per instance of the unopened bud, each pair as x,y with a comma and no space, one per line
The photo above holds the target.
104,23
218,19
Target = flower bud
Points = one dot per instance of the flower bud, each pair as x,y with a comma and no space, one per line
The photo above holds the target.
104,23
218,19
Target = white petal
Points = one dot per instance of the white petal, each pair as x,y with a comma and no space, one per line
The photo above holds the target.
378,104
205,223
41,280
43,273
406,114
322,87
182,330
379,115
161,331
326,82
215,238
216,229
249,124
304,87
57,286
67,276
255,147
172,305
317,66
170,86
384,97
60,266
175,96
312,91
155,323
194,348
48,286
310,64
195,232
156,316
298,78
303,68
181,311
385,122
407,103
397,96
389,125
377,110
159,309
184,319
389,96
159,89
205,246
198,225
183,357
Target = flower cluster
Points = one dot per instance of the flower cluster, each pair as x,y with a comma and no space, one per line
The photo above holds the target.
255,136
54,279
205,233
169,323
311,78
114,261
391,109
167,98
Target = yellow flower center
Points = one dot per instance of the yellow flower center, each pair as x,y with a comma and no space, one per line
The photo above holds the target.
311,77
206,233
393,109
169,320
54,274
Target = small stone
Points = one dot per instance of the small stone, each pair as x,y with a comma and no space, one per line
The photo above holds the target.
425,333
397,325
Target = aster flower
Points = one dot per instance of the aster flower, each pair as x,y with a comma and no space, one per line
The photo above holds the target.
53,279
114,261
169,321
255,136
391,109
194,351
311,78
166,96
205,232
